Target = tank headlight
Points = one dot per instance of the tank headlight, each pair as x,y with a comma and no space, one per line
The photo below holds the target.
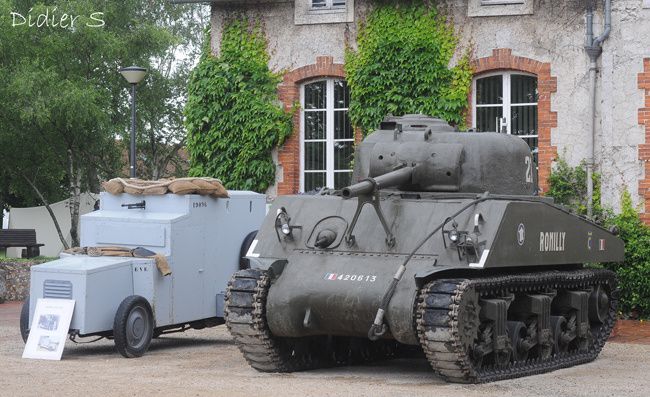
453,236
282,222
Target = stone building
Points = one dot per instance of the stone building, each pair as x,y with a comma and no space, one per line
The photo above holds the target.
531,78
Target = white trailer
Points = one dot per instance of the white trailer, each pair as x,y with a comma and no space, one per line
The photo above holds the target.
202,238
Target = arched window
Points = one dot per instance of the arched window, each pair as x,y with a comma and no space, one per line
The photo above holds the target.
327,137
507,102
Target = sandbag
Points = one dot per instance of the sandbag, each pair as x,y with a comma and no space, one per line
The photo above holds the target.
155,190
113,186
183,186
204,186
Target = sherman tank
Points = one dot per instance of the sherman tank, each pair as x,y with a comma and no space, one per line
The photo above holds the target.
442,245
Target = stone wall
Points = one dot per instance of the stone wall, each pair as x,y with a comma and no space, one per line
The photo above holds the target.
14,280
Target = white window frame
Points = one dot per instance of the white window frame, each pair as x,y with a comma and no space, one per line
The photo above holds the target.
499,8
304,14
329,6
329,132
500,2
506,105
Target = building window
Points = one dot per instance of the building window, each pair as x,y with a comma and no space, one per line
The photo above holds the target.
327,5
327,137
499,8
507,102
309,12
500,2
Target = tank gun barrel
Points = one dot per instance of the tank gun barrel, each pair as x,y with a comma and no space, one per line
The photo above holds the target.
370,185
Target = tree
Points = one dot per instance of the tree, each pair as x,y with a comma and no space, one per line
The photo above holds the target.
61,97
162,100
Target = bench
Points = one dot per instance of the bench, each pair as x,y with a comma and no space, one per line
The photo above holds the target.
20,238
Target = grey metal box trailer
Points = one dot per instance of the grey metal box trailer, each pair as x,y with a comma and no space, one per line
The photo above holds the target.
201,238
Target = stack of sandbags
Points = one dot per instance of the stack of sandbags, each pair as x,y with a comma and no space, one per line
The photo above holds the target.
203,186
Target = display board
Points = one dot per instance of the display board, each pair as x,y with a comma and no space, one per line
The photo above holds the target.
49,329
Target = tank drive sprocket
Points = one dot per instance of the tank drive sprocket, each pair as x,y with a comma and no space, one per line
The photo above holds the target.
245,315
544,323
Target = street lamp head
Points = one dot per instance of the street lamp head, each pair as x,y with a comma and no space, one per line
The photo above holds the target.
133,74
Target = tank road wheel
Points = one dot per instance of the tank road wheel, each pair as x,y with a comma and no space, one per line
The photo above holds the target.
501,327
598,305
520,340
133,326
24,320
562,335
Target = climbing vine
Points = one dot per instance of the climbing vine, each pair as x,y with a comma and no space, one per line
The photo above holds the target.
233,116
401,66
568,186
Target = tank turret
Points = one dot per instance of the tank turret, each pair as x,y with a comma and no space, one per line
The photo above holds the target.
444,160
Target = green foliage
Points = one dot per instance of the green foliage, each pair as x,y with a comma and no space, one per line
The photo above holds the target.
568,186
402,66
161,99
634,272
62,101
232,115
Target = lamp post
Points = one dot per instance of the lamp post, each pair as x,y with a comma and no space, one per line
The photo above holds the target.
134,75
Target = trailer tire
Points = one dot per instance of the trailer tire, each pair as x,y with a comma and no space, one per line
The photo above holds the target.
24,320
245,245
133,326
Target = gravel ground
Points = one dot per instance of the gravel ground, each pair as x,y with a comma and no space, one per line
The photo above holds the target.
207,362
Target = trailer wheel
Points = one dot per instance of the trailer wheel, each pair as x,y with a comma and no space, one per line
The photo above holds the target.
133,326
245,245
24,320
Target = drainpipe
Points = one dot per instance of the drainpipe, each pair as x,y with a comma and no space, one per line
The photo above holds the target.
593,48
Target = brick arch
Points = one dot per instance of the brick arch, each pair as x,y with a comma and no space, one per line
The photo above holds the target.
289,93
502,59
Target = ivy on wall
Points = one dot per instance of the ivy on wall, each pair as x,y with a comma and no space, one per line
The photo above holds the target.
233,115
567,185
401,66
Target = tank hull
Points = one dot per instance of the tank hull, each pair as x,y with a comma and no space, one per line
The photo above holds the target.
337,291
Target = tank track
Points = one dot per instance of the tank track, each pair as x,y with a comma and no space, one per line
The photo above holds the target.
446,313
245,314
